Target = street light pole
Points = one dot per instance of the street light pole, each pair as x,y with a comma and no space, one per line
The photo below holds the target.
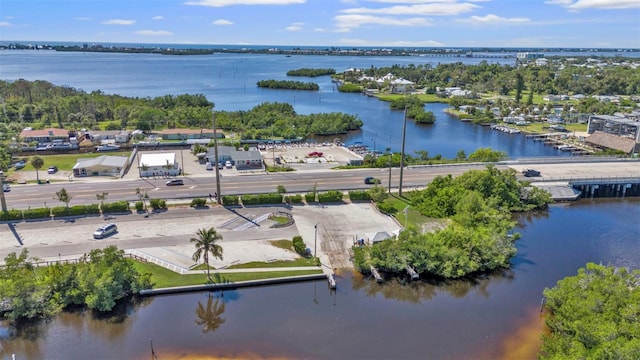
389,163
3,201
215,152
404,134
315,240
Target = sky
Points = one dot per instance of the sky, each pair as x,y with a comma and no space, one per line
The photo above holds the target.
338,23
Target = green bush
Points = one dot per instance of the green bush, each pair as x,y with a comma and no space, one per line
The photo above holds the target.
310,197
356,195
116,206
230,200
387,208
293,199
330,196
281,189
299,246
198,202
261,199
158,204
76,210
350,88
39,213
12,215
139,206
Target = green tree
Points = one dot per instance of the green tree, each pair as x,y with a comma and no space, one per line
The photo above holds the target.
106,276
205,244
102,197
63,196
519,86
37,163
594,315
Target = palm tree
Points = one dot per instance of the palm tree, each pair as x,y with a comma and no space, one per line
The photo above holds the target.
205,243
37,164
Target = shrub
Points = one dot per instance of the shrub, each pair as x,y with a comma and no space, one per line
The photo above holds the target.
387,208
229,200
299,246
157,204
261,199
281,189
310,197
330,196
75,210
356,195
198,202
13,215
139,206
117,206
40,213
293,199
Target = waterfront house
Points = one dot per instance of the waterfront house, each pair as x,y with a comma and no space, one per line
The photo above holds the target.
186,134
44,136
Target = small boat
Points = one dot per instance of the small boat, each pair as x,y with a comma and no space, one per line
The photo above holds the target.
107,147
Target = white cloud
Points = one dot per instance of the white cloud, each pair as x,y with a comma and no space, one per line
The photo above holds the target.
319,30
494,19
354,21
159,17
293,28
596,4
221,3
401,43
446,8
222,22
153,32
5,24
119,22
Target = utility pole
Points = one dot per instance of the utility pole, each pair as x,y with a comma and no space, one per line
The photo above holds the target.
2,199
215,152
389,163
404,134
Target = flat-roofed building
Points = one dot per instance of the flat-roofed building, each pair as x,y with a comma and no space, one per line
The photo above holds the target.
100,166
615,125
162,164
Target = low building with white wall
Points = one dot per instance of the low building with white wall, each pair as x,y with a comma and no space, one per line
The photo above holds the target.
163,164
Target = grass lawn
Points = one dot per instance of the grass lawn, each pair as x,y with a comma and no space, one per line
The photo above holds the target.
414,218
543,127
162,277
427,98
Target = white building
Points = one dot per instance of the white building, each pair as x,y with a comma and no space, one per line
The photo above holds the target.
158,165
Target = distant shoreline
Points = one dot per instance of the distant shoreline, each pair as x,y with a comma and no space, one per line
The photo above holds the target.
176,49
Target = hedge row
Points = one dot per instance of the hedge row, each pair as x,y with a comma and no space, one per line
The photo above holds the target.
359,195
229,200
76,210
293,199
330,196
273,198
117,206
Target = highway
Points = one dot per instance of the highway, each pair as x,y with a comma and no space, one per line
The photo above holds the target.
84,190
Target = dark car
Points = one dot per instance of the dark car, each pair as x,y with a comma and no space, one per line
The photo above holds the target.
52,169
369,180
530,172
175,182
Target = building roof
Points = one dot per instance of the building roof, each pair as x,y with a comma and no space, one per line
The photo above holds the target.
44,132
186,131
379,236
104,160
156,160
236,155
609,141
618,119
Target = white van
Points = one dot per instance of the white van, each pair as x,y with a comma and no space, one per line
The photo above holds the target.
104,231
209,166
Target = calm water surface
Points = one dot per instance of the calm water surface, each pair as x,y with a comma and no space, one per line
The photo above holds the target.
229,80
493,317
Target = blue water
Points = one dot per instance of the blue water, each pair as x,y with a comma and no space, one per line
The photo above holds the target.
229,80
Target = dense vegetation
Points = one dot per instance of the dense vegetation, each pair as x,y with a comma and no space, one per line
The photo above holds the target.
288,84
594,315
311,72
280,120
415,109
478,205
98,281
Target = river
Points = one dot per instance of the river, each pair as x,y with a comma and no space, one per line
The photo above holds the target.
490,318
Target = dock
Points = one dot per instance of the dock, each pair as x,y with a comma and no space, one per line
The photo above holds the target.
376,274
414,275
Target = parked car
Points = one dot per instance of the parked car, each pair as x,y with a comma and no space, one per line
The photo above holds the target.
104,231
315,154
530,172
369,180
52,169
209,166
220,165
19,165
228,164
6,187
175,182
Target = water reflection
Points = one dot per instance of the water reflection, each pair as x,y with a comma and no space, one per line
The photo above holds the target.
209,316
414,292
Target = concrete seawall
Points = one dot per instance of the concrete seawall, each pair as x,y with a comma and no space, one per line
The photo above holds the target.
231,285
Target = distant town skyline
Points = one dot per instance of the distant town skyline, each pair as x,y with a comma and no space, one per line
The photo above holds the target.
340,23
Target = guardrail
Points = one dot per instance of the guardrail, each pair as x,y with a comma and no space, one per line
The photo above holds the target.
590,180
